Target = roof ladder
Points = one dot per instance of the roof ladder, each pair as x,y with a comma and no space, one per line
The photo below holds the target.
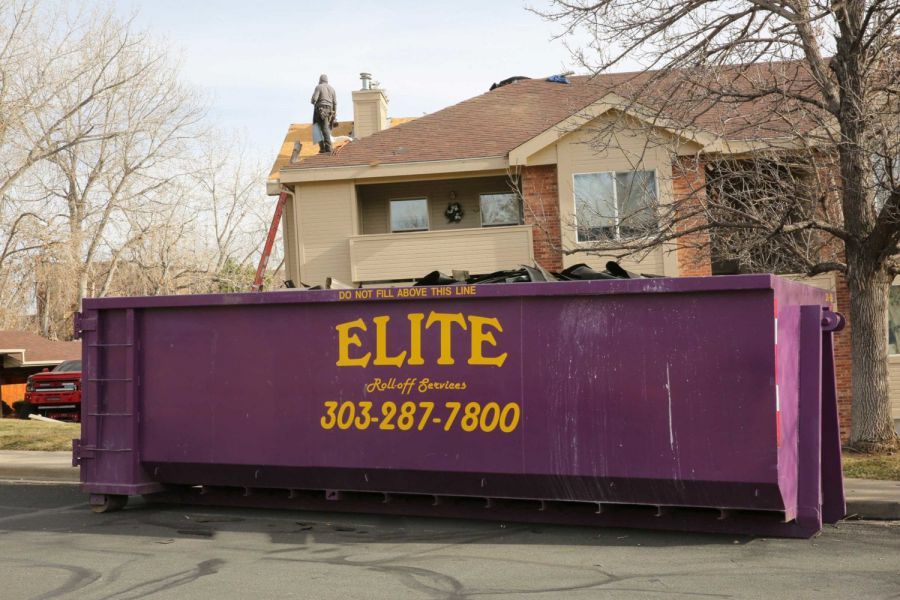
270,241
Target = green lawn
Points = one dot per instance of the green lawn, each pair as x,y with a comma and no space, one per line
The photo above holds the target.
16,434
872,466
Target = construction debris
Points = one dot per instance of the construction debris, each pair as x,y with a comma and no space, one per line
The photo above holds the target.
46,420
524,274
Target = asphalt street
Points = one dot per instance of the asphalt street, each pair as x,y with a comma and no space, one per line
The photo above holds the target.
53,546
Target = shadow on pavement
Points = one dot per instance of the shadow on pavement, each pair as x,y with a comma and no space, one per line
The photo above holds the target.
57,508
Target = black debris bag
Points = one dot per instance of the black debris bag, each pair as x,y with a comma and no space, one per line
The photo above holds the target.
524,274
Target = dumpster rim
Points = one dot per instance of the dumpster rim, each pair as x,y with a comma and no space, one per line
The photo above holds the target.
662,285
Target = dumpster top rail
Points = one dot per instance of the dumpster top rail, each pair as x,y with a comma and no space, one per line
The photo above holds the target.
724,283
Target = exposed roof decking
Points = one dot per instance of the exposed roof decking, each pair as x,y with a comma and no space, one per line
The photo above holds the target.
302,132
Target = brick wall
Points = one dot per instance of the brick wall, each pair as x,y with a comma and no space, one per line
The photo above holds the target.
540,201
842,363
827,182
692,249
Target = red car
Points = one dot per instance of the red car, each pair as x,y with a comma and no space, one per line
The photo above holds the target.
55,394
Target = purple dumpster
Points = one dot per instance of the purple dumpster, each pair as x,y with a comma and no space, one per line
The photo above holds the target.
701,404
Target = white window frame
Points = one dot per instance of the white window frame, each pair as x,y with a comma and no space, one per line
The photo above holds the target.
427,214
615,199
504,193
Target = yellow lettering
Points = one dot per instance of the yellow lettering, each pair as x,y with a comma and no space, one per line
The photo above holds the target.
415,338
446,320
479,337
345,340
381,355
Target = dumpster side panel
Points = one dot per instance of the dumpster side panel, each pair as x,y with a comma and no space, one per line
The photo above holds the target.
681,395
651,386
605,411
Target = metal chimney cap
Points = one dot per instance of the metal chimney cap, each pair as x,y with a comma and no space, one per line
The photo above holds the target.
366,79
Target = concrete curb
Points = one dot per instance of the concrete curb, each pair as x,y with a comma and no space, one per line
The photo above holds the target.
872,499
37,466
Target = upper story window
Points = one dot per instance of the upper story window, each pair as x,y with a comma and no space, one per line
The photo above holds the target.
499,209
614,205
894,320
409,215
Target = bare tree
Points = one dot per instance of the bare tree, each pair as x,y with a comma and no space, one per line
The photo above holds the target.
110,182
228,191
144,127
209,240
796,104
92,118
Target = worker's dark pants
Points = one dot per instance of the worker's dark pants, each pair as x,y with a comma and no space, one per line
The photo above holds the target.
324,117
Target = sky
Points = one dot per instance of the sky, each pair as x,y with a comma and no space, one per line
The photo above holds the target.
258,66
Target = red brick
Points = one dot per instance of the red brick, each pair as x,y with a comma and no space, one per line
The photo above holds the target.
540,199
688,181
843,364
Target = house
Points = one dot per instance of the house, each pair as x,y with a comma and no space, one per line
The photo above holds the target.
499,180
23,354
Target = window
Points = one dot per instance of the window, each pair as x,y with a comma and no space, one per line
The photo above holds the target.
611,206
894,320
409,215
884,181
499,209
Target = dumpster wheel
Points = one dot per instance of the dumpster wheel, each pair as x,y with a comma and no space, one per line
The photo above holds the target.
111,503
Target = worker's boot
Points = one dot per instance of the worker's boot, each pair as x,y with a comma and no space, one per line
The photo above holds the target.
322,149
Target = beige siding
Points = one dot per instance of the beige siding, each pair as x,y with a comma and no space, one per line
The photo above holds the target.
894,381
546,156
325,215
289,229
631,152
374,201
369,112
405,256
894,377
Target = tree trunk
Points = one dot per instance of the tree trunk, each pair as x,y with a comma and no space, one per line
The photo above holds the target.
872,429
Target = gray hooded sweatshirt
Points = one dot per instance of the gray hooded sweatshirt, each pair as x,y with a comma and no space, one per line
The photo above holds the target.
324,93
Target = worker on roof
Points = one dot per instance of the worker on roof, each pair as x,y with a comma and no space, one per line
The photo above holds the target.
324,99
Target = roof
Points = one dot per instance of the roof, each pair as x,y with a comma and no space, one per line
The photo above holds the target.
495,123
28,348
302,132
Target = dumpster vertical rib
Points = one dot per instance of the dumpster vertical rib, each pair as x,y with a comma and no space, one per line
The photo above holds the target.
834,508
130,390
90,392
809,454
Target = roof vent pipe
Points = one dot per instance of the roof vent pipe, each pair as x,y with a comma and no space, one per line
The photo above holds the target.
366,79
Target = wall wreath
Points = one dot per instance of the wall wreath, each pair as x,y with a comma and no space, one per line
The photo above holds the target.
454,212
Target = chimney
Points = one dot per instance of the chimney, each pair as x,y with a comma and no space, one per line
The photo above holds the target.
369,108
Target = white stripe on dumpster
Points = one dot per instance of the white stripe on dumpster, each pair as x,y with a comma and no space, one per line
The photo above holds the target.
777,391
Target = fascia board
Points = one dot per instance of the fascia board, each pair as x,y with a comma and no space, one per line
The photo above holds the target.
357,172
